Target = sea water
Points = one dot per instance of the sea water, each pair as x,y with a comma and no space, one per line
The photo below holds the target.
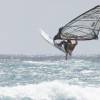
49,78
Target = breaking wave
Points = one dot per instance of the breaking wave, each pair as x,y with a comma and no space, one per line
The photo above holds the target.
54,90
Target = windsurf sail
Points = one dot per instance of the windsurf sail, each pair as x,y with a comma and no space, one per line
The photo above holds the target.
84,27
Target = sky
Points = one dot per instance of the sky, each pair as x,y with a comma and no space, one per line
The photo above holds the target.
21,21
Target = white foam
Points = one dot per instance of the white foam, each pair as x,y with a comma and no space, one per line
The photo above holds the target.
40,62
55,90
87,72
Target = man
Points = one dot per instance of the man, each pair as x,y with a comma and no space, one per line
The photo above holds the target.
65,45
68,45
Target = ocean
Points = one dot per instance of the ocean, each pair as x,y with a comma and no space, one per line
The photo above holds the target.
49,77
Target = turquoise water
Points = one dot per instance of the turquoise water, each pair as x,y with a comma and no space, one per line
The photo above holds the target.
49,78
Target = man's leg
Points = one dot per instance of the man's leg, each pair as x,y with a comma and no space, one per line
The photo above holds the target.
70,52
66,56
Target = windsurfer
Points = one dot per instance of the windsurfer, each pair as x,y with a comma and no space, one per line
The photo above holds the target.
67,45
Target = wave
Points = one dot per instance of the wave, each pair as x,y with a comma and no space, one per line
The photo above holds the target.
55,90
41,62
